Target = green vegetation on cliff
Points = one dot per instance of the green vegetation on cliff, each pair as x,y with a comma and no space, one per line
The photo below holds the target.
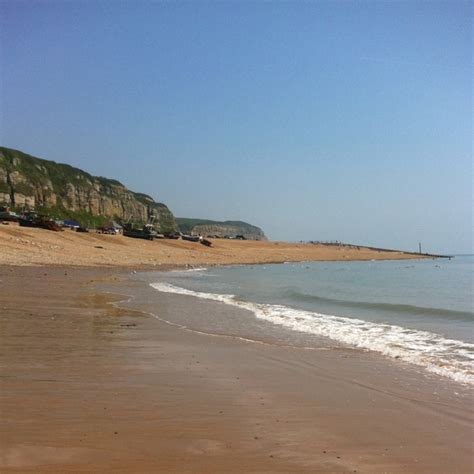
67,192
222,228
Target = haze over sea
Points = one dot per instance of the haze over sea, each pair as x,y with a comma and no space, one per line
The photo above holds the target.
420,311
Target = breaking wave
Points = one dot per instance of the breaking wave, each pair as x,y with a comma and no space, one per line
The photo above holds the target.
446,357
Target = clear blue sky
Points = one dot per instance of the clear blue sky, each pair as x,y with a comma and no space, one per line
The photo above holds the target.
314,120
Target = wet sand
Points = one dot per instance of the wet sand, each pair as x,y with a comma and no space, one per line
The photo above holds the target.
89,387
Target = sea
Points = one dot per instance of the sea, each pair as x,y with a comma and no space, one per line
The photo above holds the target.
418,311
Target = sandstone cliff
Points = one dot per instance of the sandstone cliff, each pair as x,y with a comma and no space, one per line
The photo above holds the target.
36,183
221,229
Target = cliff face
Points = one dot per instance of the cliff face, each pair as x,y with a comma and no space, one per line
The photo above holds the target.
221,229
29,181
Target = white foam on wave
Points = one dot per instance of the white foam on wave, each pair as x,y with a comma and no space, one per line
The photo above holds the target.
189,270
446,357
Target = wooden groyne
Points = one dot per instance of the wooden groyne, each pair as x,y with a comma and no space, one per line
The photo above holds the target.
379,249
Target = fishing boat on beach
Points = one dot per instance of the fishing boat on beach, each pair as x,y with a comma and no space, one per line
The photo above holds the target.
205,242
190,238
7,215
171,235
31,219
147,232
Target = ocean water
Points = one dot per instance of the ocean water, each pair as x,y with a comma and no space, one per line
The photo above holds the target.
419,311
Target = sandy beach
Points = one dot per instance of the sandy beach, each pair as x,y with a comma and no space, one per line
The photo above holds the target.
89,384
150,152
32,246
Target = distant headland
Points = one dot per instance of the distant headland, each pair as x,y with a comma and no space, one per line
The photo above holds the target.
65,192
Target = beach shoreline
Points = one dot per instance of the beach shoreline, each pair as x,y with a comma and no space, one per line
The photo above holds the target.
104,386
34,246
